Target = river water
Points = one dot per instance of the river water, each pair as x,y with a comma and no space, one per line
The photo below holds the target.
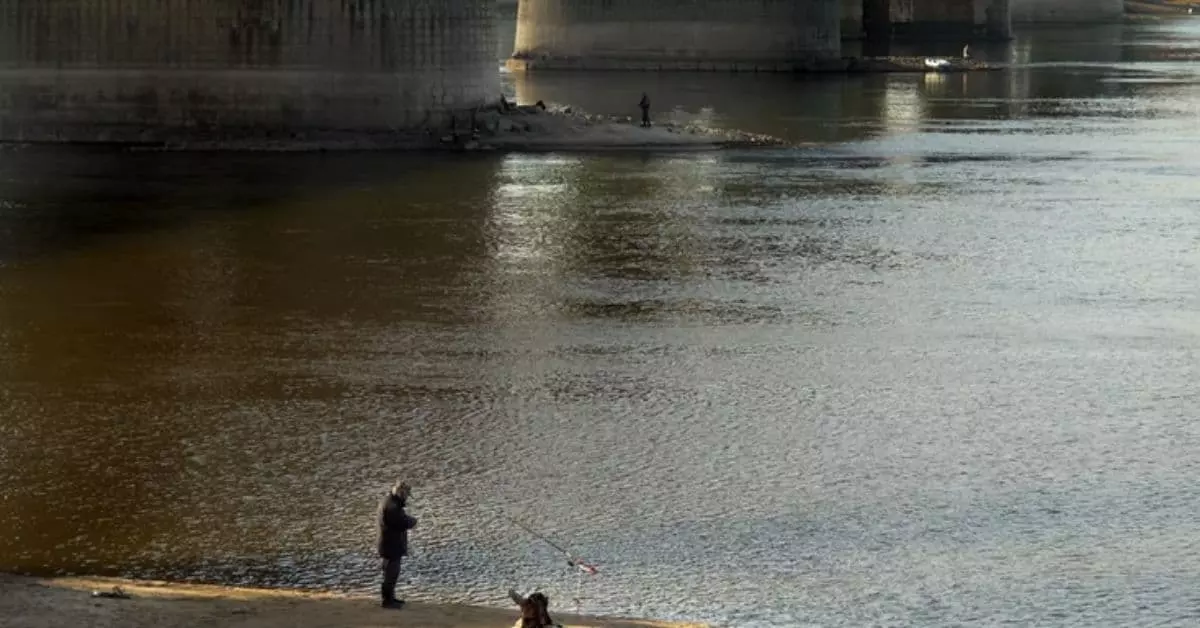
936,366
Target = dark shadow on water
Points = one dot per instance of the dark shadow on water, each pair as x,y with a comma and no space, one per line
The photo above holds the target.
56,199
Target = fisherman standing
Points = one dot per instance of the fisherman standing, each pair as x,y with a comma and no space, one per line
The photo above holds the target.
394,525
645,105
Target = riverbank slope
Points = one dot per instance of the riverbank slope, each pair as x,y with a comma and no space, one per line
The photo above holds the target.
48,603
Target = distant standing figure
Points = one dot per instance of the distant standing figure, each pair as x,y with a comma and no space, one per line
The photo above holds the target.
967,51
394,525
645,105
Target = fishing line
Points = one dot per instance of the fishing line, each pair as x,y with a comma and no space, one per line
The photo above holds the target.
574,563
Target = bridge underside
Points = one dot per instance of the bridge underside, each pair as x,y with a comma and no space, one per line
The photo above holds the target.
763,35
938,20
968,20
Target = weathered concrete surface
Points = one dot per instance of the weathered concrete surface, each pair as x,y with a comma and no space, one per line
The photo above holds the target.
758,35
960,20
1067,11
155,71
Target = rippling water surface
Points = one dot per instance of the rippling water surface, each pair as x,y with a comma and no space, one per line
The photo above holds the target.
937,366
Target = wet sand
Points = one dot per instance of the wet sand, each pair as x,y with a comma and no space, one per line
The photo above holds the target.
48,603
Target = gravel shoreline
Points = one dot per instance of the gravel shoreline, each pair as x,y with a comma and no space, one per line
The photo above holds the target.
30,602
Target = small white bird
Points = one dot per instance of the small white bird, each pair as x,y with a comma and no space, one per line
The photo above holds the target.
967,51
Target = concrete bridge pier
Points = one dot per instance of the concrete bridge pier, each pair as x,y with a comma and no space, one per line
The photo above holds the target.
181,71
737,35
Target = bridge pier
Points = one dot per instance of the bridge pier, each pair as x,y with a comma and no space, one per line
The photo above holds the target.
737,35
142,71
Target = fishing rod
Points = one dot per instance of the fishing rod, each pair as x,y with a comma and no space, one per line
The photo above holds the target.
572,560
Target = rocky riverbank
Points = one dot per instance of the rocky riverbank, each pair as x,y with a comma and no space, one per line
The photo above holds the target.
49,603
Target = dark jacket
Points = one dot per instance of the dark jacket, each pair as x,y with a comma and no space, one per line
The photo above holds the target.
394,525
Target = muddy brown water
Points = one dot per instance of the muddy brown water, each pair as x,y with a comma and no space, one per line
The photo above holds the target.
935,366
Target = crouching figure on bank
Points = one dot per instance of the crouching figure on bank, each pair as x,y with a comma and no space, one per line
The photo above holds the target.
535,610
394,525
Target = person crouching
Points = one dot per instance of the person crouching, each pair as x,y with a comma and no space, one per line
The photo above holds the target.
535,610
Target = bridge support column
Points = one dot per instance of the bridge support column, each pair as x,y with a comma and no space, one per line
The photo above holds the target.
739,35
179,71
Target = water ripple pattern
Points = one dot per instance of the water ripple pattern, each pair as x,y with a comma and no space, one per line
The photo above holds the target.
935,366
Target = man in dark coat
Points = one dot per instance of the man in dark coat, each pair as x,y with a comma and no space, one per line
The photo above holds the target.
394,525
645,106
